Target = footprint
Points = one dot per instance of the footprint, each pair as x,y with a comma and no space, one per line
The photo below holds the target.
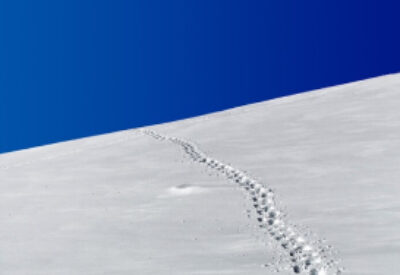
304,256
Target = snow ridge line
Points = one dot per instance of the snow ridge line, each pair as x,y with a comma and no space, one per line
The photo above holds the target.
127,136
304,257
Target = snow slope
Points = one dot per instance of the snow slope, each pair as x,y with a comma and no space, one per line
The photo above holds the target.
126,203
304,256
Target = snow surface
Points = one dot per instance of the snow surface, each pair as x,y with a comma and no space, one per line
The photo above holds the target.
127,203
305,256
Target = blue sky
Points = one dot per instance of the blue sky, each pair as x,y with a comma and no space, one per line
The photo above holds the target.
70,69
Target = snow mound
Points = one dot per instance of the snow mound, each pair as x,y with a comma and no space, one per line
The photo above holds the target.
185,190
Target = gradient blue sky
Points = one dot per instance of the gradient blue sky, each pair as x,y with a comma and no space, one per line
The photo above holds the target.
71,69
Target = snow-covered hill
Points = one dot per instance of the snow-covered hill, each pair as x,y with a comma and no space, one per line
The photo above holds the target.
303,184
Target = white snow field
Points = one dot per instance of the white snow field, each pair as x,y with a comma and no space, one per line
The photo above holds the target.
306,184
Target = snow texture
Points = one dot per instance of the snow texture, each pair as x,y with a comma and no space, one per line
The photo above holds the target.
314,190
304,256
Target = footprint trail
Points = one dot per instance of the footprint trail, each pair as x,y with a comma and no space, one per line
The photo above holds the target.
305,257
